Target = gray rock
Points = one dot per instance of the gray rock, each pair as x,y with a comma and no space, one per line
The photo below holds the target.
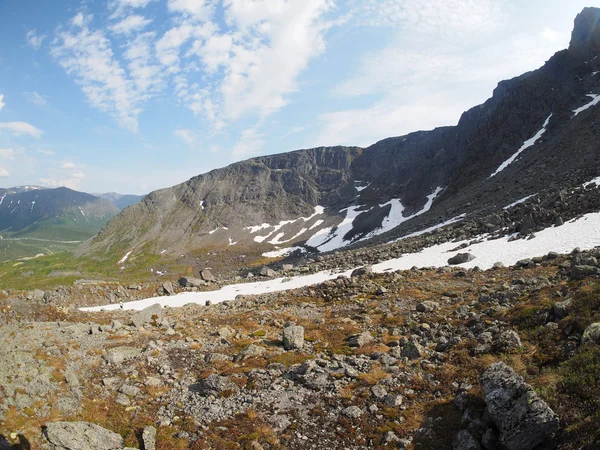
591,334
214,385
581,272
118,355
465,441
129,390
361,271
353,412
427,306
561,309
508,341
168,288
412,350
267,272
390,438
149,438
378,391
523,419
293,338
152,314
81,436
460,258
287,267
359,340
207,275
191,282
251,351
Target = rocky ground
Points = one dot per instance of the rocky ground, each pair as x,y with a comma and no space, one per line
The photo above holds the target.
448,358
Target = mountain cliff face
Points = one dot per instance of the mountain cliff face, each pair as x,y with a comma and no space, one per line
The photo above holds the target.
538,131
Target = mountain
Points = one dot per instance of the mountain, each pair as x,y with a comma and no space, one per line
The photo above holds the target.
119,200
33,219
538,131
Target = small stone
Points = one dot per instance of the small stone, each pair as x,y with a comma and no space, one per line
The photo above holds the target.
149,438
359,340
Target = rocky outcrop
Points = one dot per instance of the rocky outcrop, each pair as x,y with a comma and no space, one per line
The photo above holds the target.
522,417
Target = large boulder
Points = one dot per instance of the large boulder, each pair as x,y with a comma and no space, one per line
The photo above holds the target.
523,419
591,335
207,275
460,258
150,315
359,340
191,282
267,272
293,338
81,436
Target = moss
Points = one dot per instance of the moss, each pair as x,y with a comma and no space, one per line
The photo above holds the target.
580,378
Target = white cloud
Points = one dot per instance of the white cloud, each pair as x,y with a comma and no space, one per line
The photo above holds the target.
21,128
2,104
464,18
45,152
196,9
36,99
4,173
249,144
7,154
67,175
130,24
120,6
87,56
187,135
146,76
33,40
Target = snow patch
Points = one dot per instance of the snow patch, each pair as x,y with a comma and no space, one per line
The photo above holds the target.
518,202
124,258
283,252
528,143
361,188
231,242
595,101
432,228
583,233
2,199
318,211
595,181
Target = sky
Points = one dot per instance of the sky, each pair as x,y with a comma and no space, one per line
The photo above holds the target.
130,96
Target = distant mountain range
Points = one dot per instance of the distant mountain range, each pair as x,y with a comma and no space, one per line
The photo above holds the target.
538,131
34,219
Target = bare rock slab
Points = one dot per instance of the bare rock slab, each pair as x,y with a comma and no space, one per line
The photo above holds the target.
81,436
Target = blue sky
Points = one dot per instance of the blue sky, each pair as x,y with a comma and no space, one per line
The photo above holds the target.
136,95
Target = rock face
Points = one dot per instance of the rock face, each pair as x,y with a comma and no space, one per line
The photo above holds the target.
523,419
293,338
81,436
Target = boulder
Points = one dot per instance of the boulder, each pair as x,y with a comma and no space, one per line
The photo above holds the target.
460,258
191,282
591,335
81,436
583,271
465,441
214,385
168,288
149,438
361,271
207,275
152,314
293,338
118,355
427,306
523,419
267,272
412,350
359,340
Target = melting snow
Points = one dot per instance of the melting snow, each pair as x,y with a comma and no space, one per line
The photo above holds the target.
256,228
331,238
32,205
318,211
361,188
283,252
231,242
583,233
124,258
202,204
316,224
595,181
528,143
595,101
430,229
2,199
81,211
518,202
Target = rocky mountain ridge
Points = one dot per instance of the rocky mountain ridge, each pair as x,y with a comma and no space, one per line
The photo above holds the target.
353,194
